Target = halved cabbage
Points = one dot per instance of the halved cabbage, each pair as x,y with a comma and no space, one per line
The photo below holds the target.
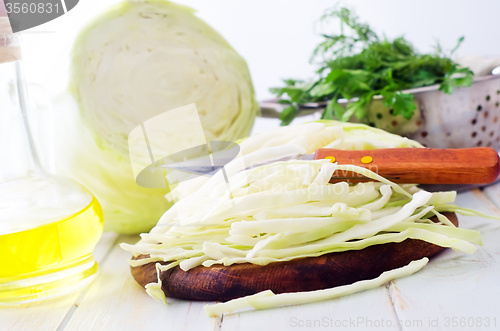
137,60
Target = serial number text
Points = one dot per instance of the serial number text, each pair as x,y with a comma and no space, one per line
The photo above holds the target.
32,8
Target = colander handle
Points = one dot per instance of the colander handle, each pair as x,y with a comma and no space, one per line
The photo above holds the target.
478,165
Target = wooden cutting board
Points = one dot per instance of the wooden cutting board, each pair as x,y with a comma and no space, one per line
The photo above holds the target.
221,283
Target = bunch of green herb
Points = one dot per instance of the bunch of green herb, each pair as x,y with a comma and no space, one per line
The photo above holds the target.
359,64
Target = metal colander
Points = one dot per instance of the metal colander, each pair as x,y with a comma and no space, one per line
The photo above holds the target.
469,117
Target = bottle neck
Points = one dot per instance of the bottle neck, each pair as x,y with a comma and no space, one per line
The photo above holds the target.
10,50
18,159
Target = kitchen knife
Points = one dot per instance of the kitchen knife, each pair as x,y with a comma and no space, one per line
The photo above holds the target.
479,165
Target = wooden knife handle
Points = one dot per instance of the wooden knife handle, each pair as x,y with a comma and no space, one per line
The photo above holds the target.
478,165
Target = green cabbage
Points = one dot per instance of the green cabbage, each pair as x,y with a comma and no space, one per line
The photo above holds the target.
133,62
267,299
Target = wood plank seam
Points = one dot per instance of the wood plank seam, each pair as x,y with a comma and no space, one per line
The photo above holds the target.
393,304
218,323
79,299
491,198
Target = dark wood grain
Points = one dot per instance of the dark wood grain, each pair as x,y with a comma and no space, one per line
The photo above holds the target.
479,165
220,283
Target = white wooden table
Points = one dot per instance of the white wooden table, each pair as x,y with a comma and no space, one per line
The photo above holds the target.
455,291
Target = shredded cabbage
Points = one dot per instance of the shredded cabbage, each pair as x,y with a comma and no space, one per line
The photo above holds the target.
267,299
287,210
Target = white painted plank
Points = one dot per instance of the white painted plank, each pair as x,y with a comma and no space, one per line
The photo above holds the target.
104,246
43,316
493,193
266,124
48,315
117,302
361,311
456,287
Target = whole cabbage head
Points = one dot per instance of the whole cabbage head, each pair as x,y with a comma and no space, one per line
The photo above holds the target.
133,62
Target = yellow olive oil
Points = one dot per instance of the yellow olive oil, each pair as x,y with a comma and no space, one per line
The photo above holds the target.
51,259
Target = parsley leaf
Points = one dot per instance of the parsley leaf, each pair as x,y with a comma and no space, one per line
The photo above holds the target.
356,63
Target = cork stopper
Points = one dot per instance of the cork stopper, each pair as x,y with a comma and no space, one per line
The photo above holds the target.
10,50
